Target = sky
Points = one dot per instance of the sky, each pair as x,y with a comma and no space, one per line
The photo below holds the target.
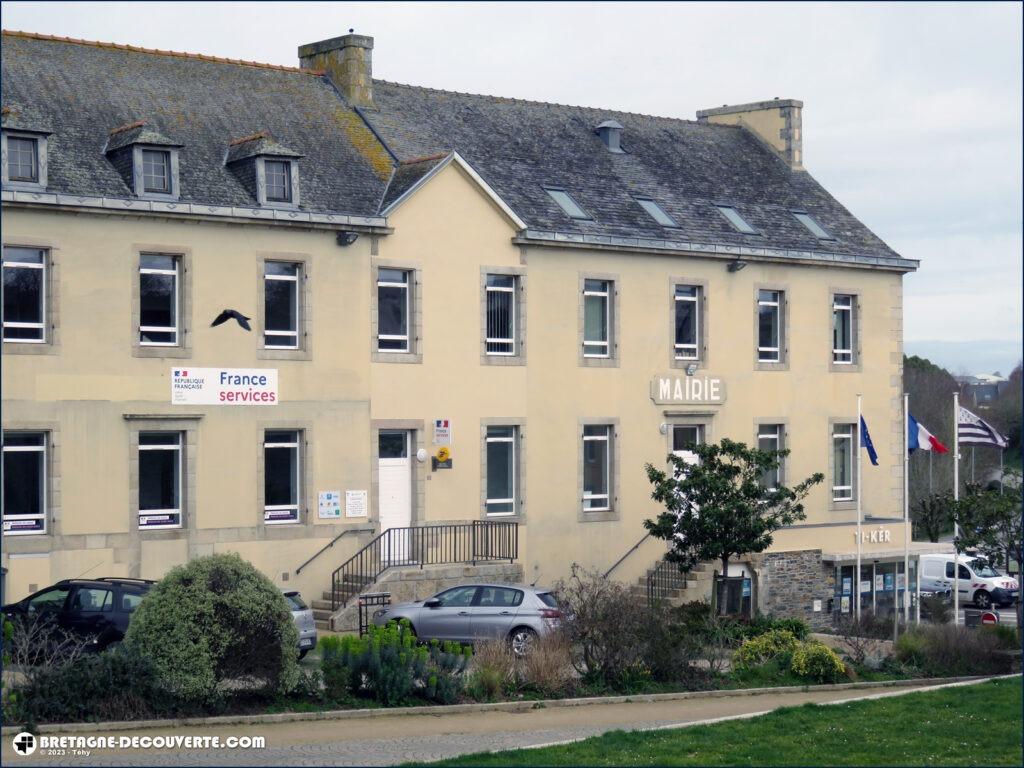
912,111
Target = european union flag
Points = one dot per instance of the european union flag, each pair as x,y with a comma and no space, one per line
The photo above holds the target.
865,440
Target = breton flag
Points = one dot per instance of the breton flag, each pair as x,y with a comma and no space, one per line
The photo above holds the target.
972,430
919,437
865,439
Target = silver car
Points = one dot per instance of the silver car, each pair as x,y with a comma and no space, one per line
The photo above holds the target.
474,612
302,615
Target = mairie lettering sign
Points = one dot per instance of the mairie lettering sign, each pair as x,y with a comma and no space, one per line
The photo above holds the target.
680,389
224,386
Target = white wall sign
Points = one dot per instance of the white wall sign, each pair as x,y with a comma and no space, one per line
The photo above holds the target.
330,505
817,606
442,432
224,386
355,503
680,389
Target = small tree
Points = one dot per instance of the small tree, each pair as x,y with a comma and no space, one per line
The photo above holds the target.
721,506
932,515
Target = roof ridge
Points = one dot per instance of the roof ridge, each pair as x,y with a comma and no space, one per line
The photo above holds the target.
533,102
158,52
128,127
250,137
426,158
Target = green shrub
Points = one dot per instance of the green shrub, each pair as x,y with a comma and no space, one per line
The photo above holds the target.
758,650
911,648
213,620
119,684
946,650
818,662
1007,637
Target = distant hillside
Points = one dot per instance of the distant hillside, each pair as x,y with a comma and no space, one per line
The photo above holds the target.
985,356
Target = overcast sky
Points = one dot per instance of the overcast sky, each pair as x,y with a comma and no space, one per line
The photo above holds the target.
912,112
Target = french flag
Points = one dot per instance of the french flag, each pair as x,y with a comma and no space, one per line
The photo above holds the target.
919,437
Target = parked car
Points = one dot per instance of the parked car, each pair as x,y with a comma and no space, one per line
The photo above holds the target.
474,612
96,611
302,615
979,583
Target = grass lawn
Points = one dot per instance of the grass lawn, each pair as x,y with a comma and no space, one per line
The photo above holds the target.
973,725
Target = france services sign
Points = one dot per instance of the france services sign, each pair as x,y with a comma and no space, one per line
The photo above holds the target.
680,389
224,386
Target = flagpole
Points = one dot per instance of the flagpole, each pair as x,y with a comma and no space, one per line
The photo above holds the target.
860,491
956,498
906,510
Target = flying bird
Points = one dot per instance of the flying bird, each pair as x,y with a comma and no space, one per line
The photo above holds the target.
227,314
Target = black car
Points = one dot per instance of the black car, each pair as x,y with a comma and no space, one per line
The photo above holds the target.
94,610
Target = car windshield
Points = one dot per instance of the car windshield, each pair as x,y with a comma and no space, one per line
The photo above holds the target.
548,599
295,602
983,569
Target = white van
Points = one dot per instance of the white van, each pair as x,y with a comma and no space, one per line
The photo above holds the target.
979,583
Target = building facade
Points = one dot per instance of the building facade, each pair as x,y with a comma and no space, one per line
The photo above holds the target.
552,295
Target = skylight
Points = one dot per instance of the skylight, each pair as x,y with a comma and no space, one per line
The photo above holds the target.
735,219
567,204
815,228
656,212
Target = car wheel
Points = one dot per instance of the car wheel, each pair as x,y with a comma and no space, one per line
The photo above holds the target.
521,639
302,653
982,599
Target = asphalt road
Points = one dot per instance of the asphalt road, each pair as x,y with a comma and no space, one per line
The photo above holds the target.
391,740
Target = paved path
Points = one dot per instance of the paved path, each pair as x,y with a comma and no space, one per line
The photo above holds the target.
390,740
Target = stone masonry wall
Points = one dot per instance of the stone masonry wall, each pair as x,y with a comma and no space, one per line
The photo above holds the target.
788,583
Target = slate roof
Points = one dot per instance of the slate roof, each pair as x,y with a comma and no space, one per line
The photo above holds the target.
81,91
519,147
407,175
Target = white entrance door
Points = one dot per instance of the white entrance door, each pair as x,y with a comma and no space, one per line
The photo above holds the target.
684,437
394,478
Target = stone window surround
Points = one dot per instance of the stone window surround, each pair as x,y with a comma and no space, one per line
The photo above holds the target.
184,256
703,347
783,364
842,506
783,440
307,501
419,469
519,422
614,501
519,358
188,426
261,182
612,361
415,353
42,160
51,493
138,180
305,298
703,419
855,366
51,288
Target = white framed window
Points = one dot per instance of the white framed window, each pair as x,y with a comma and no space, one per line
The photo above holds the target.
842,329
502,468
770,437
597,318
282,476
843,448
281,308
25,483
393,309
158,300
597,467
687,322
23,159
160,480
278,178
24,295
769,326
684,437
502,314
156,172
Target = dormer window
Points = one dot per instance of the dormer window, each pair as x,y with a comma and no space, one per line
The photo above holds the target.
156,171
24,160
279,182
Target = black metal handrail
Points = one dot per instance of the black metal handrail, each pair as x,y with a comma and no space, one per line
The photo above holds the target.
330,544
663,579
472,542
629,552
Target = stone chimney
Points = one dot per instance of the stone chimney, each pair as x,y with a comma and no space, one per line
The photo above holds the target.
347,60
776,122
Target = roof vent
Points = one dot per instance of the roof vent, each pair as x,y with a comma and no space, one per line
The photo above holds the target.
610,132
